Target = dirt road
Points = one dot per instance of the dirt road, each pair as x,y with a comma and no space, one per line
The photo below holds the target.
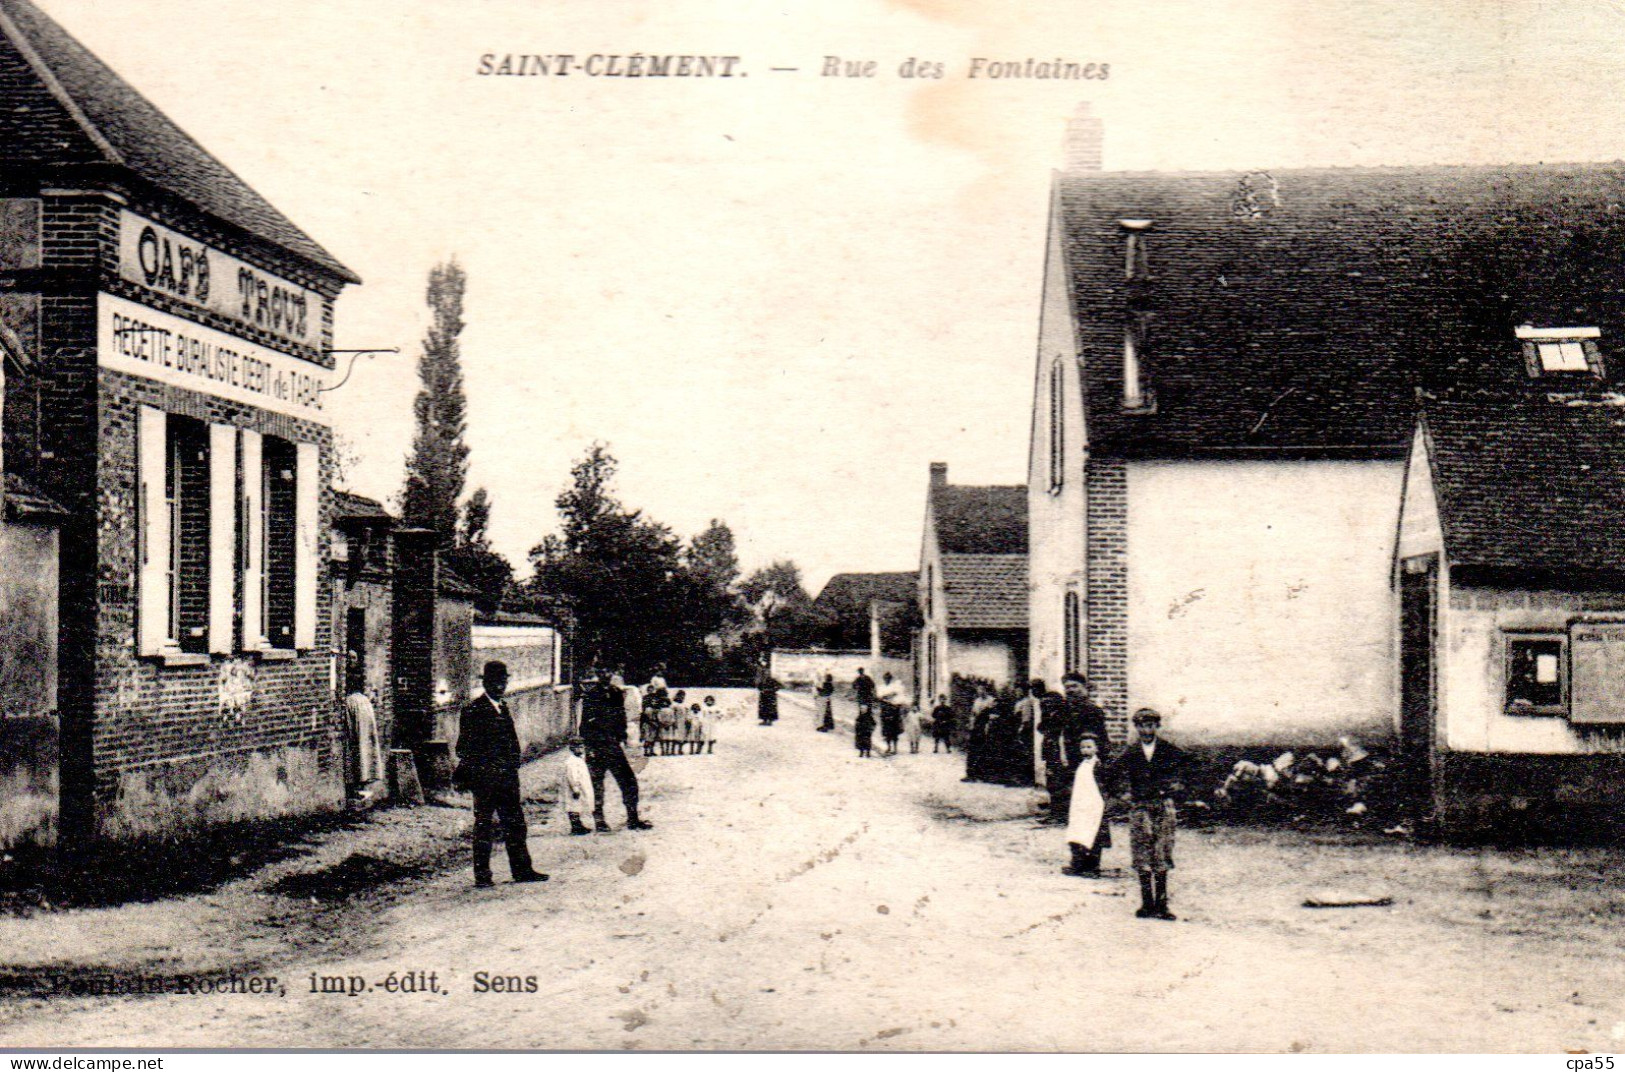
793,896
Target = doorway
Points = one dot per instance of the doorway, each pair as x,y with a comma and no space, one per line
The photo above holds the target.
1418,676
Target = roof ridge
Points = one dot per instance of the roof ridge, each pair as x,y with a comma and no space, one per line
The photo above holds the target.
42,70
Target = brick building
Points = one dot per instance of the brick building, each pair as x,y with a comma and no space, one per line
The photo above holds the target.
1226,389
178,330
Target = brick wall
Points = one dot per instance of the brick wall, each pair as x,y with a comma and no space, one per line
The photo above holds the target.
263,736
1106,481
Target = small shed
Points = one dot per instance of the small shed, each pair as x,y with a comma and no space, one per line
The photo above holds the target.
1510,569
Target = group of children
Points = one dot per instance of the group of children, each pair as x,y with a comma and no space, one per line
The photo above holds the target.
676,727
903,722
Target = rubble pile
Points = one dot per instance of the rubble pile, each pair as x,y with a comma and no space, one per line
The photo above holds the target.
1349,785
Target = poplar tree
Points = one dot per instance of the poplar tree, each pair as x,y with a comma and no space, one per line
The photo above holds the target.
438,464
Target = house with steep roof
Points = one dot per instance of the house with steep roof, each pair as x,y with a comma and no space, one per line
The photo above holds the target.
1510,569
1224,396
972,585
178,334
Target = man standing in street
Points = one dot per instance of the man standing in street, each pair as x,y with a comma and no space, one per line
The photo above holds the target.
1063,725
1153,771
488,766
863,691
603,732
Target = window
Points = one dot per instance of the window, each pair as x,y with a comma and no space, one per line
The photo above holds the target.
1561,351
1136,264
226,548
1537,673
930,589
1057,426
1072,632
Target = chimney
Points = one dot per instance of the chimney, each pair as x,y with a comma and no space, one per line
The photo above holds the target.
1085,135
939,474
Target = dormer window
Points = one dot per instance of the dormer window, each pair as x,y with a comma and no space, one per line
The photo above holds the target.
1136,263
1561,351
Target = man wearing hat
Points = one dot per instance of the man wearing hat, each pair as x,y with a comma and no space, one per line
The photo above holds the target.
1152,772
488,754
1063,725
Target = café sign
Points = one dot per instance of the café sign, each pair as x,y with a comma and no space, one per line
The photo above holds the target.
178,266
144,342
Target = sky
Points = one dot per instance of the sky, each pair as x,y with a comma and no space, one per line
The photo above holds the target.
779,296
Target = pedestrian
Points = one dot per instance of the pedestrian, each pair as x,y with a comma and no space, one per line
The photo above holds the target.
603,732
649,722
892,701
575,787
825,707
1152,772
863,731
863,692
671,717
488,767
976,740
767,697
912,729
1063,725
1029,713
361,719
696,729
1087,832
713,715
942,725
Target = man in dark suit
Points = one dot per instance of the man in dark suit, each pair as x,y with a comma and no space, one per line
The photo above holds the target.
488,766
603,731
1153,772
1063,725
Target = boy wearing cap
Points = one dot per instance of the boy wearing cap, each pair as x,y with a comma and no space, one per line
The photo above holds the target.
1152,772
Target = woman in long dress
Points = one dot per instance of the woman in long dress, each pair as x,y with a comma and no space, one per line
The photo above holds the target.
826,704
767,698
1087,832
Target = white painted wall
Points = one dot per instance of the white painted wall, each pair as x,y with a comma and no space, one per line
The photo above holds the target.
1056,533
980,657
1472,672
808,667
1260,608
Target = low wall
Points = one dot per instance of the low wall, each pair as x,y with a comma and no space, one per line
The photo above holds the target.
543,716
1530,797
809,667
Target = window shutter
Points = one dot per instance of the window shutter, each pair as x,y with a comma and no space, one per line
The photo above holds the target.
253,548
1597,684
307,528
152,532
222,535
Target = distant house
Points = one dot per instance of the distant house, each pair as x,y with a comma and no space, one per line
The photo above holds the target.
1225,394
868,621
972,584
1510,567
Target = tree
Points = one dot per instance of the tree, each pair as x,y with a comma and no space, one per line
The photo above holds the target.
783,610
471,558
713,561
623,576
438,464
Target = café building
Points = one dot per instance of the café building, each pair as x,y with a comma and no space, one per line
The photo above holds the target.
175,331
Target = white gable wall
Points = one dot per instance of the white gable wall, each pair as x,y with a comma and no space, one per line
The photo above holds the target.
1260,603
1056,519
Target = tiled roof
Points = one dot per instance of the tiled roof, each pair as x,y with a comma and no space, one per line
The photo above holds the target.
26,502
1295,312
985,591
980,520
1530,485
348,506
65,107
846,593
